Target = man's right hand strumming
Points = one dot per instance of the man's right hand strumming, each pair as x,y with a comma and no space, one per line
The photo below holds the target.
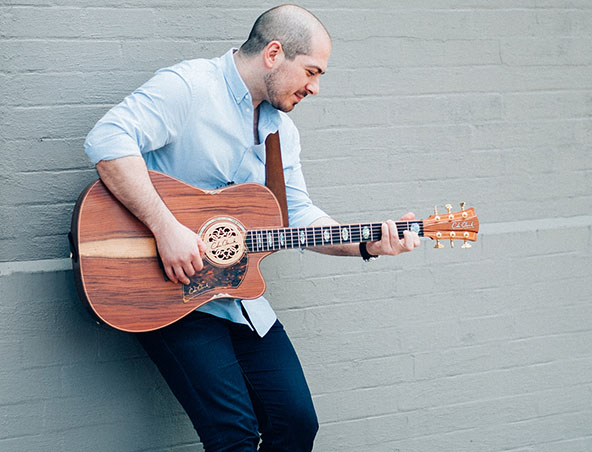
181,250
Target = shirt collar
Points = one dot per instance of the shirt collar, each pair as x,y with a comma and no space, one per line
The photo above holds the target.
233,79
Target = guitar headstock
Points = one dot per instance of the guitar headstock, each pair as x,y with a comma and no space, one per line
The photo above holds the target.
461,225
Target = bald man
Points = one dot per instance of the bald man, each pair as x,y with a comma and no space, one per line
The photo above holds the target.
230,363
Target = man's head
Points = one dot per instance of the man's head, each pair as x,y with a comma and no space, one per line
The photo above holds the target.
291,25
292,48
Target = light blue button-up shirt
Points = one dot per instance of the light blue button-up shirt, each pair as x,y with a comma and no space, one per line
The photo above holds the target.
194,121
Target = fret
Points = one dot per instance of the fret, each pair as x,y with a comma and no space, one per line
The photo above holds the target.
310,236
335,236
376,234
358,232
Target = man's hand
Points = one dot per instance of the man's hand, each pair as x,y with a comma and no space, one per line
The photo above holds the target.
181,251
390,243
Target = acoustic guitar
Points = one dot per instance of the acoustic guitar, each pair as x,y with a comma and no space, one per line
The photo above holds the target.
119,275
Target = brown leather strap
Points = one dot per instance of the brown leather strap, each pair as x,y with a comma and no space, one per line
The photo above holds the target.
274,173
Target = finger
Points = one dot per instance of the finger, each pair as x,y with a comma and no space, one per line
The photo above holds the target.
188,268
414,238
197,262
180,274
408,216
385,238
394,241
408,241
202,247
397,244
170,272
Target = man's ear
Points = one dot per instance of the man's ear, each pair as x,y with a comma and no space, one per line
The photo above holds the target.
273,54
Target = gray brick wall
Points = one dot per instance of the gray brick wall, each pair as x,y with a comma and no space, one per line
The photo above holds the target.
425,102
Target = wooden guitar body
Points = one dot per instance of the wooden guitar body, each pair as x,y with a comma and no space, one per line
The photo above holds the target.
115,260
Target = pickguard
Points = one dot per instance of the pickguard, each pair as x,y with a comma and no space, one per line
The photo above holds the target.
216,278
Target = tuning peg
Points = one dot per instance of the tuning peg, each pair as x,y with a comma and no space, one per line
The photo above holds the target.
448,208
438,244
437,217
466,244
452,236
462,208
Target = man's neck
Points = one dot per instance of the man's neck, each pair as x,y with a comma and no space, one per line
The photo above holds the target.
248,72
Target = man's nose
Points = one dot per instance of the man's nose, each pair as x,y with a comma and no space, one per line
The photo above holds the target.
313,87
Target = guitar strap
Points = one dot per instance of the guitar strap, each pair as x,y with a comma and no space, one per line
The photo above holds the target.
274,173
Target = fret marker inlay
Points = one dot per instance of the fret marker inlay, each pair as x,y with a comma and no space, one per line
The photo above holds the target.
344,234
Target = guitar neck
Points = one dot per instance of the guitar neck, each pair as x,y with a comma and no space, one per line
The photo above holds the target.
264,240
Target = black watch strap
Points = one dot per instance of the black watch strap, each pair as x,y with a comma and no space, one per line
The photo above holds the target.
365,254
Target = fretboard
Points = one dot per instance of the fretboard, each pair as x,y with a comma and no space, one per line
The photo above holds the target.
261,240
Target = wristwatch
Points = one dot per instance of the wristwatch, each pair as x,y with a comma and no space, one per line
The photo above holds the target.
365,254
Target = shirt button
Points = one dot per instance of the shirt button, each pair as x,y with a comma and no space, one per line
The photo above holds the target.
248,110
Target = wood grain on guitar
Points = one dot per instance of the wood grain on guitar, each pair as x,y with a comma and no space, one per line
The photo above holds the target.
115,259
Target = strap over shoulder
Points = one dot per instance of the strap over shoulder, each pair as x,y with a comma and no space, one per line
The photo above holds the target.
274,173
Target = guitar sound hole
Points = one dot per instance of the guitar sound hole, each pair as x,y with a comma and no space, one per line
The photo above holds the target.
225,242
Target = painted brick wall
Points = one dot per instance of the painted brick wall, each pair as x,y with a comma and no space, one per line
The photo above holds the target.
425,102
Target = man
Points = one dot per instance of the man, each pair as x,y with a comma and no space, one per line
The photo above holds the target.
230,364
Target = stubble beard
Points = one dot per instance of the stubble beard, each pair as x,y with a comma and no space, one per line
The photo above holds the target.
273,81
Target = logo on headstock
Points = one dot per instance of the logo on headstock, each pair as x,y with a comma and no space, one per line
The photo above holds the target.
463,225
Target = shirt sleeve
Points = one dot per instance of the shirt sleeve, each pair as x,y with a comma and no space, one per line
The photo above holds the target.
301,210
148,119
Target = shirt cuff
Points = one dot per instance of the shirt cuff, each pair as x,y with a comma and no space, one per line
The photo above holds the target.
110,147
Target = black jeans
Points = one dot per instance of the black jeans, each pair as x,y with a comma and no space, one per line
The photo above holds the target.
236,387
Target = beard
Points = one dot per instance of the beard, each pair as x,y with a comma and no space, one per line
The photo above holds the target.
280,98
